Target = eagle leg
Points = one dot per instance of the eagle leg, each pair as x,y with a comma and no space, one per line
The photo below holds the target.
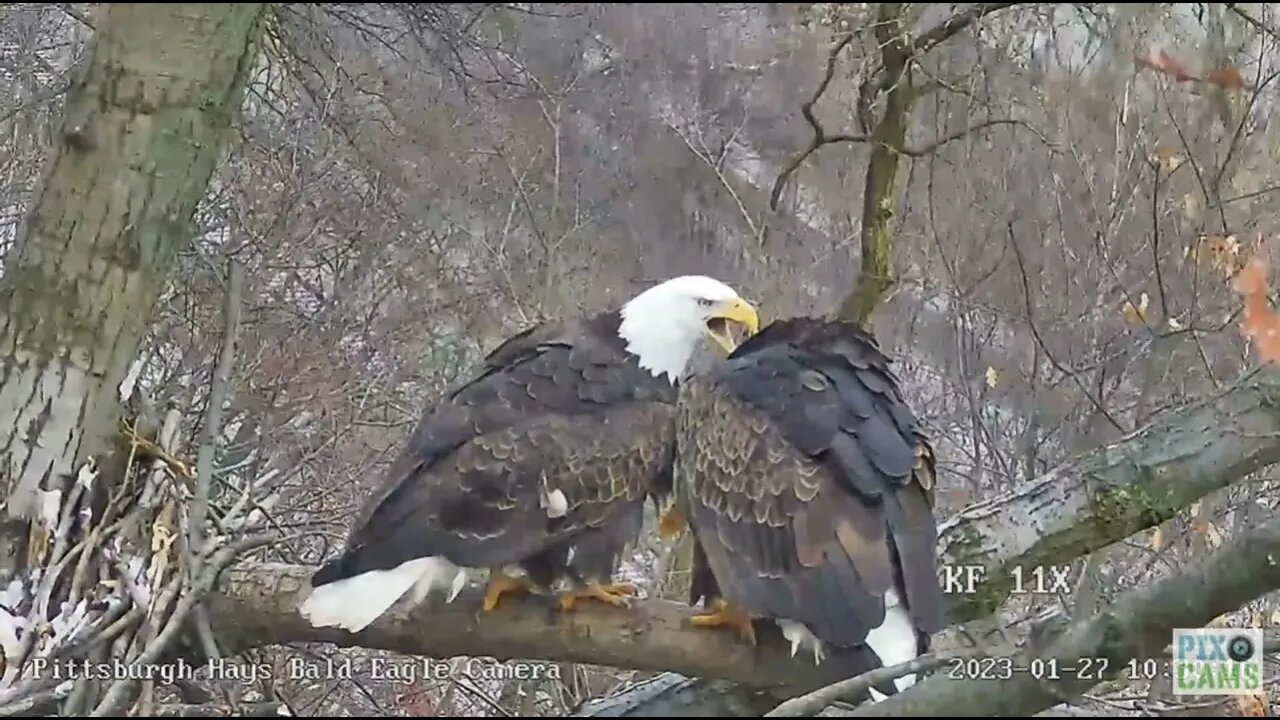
615,594
671,524
502,584
726,614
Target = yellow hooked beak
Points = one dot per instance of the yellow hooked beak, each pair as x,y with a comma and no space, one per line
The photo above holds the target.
737,312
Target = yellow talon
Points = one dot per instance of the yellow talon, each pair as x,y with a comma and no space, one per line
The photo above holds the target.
616,594
501,584
725,614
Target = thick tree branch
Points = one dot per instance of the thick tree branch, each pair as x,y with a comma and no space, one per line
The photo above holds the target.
213,710
1110,493
258,605
1138,625
673,695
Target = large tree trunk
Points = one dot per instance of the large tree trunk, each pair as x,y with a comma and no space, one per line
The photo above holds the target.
144,126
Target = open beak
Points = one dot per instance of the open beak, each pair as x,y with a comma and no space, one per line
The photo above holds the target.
733,322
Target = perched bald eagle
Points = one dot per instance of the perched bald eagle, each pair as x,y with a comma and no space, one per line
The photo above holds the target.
807,483
538,468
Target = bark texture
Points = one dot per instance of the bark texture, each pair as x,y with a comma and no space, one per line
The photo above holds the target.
143,130
1138,625
257,605
1110,493
875,277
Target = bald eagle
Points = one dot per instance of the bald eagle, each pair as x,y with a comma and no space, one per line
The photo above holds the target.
807,482
538,468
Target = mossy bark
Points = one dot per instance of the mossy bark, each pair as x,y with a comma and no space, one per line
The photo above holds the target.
146,119
879,199
1110,493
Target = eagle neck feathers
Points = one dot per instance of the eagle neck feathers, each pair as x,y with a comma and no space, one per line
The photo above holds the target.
649,339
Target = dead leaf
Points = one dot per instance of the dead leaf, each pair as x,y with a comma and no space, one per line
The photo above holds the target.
993,377
1228,77
1212,537
1163,62
1157,539
1168,158
1191,206
1136,314
1260,324
1253,704
1225,251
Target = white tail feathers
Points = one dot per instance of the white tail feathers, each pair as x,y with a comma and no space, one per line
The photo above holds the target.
355,602
800,636
894,642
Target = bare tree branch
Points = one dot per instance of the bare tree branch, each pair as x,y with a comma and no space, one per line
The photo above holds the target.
953,25
211,710
1138,625
820,137
1112,492
960,134
257,605
217,396
1256,23
813,703
923,43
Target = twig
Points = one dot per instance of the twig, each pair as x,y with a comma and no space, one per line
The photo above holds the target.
215,561
213,419
948,28
806,109
813,703
35,700
925,42
1275,35
1097,403
959,134
256,709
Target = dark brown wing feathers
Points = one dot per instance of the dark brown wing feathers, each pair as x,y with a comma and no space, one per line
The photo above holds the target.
559,405
801,456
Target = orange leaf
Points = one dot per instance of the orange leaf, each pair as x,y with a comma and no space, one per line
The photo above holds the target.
1227,77
1163,62
1253,704
1260,324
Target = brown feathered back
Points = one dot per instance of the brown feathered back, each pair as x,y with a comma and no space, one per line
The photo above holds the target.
808,483
561,406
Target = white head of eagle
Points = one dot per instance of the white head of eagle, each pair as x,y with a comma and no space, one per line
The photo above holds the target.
664,324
